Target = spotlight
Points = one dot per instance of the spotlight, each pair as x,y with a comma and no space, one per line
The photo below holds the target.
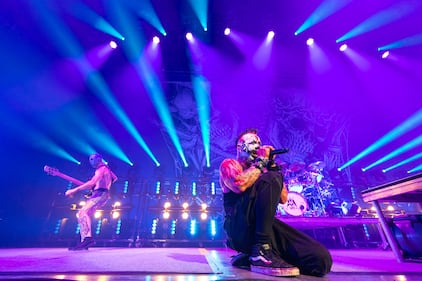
166,215
204,206
97,214
343,47
156,39
226,31
204,216
185,205
113,44
189,36
115,215
390,208
185,215
310,41
117,204
167,205
385,54
270,35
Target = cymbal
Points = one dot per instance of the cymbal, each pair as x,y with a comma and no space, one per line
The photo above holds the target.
297,166
316,166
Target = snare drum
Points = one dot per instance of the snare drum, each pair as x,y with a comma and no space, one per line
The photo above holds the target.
296,204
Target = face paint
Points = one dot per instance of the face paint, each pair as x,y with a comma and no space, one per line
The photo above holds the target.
248,144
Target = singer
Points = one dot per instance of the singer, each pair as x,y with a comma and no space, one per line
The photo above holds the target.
252,188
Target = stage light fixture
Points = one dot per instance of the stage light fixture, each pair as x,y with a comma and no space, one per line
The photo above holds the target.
189,36
192,227
156,39
82,203
343,47
204,206
213,227
98,214
157,187
167,205
213,190
390,208
185,205
185,215
117,204
98,228
113,44
176,188
118,226
115,215
270,35
194,188
173,227
204,216
310,41
154,226
166,215
227,31
385,54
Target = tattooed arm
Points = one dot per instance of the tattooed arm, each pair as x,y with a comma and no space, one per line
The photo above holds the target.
233,177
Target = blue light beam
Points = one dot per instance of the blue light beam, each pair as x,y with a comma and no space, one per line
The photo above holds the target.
380,19
327,8
201,91
409,124
406,42
413,143
408,160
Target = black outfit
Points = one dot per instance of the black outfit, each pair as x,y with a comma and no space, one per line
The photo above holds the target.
250,220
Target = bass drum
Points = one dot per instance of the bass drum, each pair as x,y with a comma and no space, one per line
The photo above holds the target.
296,204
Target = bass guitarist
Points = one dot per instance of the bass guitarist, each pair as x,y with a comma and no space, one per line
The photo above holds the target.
100,185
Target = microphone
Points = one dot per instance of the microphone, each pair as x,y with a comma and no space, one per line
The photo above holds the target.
278,151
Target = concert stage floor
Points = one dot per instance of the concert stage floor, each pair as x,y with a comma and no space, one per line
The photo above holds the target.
191,264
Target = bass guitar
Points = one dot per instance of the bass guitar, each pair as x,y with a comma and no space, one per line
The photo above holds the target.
55,172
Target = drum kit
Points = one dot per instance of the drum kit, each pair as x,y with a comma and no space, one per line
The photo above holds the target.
309,192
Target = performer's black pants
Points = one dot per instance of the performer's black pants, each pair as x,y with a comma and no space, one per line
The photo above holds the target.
252,220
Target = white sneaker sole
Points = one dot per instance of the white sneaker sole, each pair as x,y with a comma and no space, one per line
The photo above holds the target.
274,271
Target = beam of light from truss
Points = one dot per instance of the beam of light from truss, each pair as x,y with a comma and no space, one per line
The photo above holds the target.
101,89
323,11
319,59
157,97
408,160
145,10
405,42
58,31
357,59
98,55
262,56
410,145
86,14
200,7
415,169
412,122
133,51
201,91
380,19
99,136
202,95
26,133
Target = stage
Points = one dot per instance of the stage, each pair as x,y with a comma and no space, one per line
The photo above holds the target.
111,263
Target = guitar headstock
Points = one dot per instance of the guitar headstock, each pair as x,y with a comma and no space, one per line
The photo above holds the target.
51,171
